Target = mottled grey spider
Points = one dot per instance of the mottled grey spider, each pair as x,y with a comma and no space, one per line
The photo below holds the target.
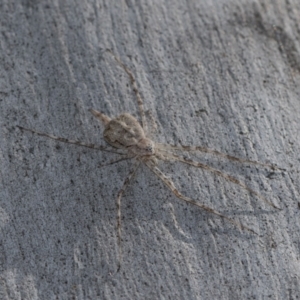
129,139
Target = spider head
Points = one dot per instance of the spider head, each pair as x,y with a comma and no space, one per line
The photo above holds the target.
143,147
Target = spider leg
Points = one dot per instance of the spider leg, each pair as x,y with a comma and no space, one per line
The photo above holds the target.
153,126
120,194
100,116
75,142
114,161
175,191
166,147
135,89
221,174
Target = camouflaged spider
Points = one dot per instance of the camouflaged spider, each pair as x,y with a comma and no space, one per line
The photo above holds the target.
129,139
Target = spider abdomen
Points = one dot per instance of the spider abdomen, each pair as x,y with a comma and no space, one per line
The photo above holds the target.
125,132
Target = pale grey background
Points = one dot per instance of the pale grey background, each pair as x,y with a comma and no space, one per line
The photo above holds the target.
221,74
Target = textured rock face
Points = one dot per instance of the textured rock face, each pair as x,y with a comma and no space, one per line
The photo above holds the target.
219,74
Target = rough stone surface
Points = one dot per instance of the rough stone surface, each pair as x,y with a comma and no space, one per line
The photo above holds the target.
221,74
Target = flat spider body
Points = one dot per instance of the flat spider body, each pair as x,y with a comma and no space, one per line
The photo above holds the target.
125,132
129,139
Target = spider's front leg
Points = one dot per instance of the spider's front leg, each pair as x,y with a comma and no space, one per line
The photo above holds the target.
119,197
168,147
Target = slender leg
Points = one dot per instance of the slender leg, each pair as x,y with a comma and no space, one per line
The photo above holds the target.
75,142
219,173
173,189
100,116
166,147
120,194
114,161
135,89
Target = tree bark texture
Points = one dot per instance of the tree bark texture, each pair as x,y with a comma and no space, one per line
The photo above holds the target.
218,74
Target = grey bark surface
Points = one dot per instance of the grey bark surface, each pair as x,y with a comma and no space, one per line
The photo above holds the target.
220,74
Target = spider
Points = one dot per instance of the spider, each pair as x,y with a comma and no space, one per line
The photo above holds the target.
129,138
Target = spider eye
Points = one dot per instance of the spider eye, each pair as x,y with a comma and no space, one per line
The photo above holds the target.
150,149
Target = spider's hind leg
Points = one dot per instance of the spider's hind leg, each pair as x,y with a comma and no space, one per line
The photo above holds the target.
135,89
74,142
